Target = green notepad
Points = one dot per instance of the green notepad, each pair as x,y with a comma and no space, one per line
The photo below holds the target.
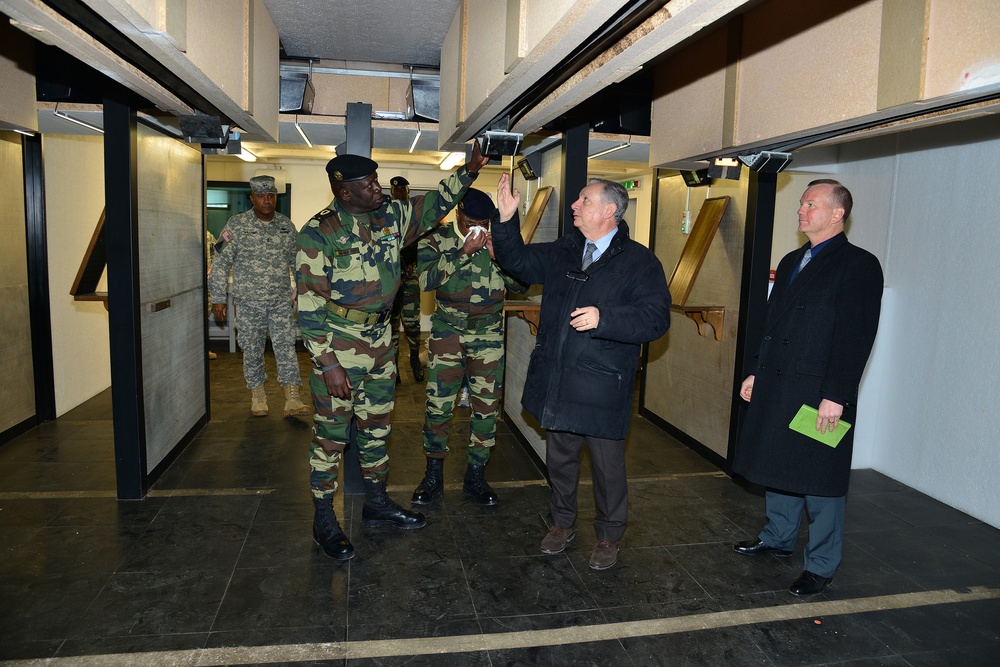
804,422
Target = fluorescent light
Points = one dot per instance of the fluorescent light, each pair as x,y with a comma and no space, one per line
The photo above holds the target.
24,132
83,123
609,150
415,139
246,156
303,133
452,160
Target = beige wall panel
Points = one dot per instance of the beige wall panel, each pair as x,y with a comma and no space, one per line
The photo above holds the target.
399,90
807,65
963,50
543,15
484,62
265,88
689,380
17,401
689,102
901,53
335,91
451,79
166,16
17,79
74,200
216,43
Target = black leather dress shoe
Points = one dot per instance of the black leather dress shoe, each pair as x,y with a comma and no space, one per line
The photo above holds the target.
809,584
757,547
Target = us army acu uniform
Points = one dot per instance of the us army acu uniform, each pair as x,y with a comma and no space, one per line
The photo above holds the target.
261,255
406,308
348,268
466,341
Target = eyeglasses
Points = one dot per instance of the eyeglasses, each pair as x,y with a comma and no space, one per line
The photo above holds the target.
577,274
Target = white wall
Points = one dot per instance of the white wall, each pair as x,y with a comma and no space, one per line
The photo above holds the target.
74,200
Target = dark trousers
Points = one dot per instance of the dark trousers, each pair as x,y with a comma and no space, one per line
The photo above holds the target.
562,458
825,548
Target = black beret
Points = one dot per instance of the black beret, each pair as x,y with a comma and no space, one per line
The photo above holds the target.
346,168
398,182
477,205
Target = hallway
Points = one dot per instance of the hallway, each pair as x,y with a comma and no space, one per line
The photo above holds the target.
216,566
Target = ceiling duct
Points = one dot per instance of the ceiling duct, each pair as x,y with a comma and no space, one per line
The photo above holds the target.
296,93
425,99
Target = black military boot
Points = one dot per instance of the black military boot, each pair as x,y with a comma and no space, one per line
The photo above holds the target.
418,370
380,510
327,533
432,487
477,488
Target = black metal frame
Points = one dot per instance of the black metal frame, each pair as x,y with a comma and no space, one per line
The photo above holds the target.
125,331
39,305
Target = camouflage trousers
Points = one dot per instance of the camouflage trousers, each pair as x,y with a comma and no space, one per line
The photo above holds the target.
407,306
454,354
367,354
253,320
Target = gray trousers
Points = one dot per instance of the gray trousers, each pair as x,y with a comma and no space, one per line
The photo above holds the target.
254,320
607,457
825,547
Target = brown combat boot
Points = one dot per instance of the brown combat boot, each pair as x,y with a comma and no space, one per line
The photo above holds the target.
258,402
293,406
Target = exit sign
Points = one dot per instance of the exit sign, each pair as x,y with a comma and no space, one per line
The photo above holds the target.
632,185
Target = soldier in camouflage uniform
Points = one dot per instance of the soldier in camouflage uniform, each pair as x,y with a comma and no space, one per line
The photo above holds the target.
259,246
348,266
466,341
407,304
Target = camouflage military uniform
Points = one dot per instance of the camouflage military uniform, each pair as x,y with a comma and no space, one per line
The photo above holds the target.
347,261
262,258
407,304
466,339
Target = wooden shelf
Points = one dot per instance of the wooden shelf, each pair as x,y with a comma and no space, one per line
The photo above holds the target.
714,315
529,311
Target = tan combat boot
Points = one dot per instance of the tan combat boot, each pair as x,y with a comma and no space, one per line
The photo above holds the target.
258,402
293,406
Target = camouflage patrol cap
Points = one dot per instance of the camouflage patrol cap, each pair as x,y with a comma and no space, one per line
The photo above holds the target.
398,182
346,168
477,205
262,185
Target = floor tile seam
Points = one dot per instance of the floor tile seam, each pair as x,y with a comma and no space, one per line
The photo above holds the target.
583,634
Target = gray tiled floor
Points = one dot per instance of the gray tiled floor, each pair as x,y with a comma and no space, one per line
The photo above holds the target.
84,574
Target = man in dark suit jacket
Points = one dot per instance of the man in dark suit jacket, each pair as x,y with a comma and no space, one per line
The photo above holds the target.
605,295
820,326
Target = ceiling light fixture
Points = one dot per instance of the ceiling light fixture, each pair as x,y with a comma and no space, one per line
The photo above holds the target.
24,132
452,160
89,126
609,150
416,138
302,133
246,156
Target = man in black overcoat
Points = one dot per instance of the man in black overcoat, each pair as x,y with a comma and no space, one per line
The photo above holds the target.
820,326
605,295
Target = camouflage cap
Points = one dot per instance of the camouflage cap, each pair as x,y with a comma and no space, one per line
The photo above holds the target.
262,185
398,182
477,205
346,168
